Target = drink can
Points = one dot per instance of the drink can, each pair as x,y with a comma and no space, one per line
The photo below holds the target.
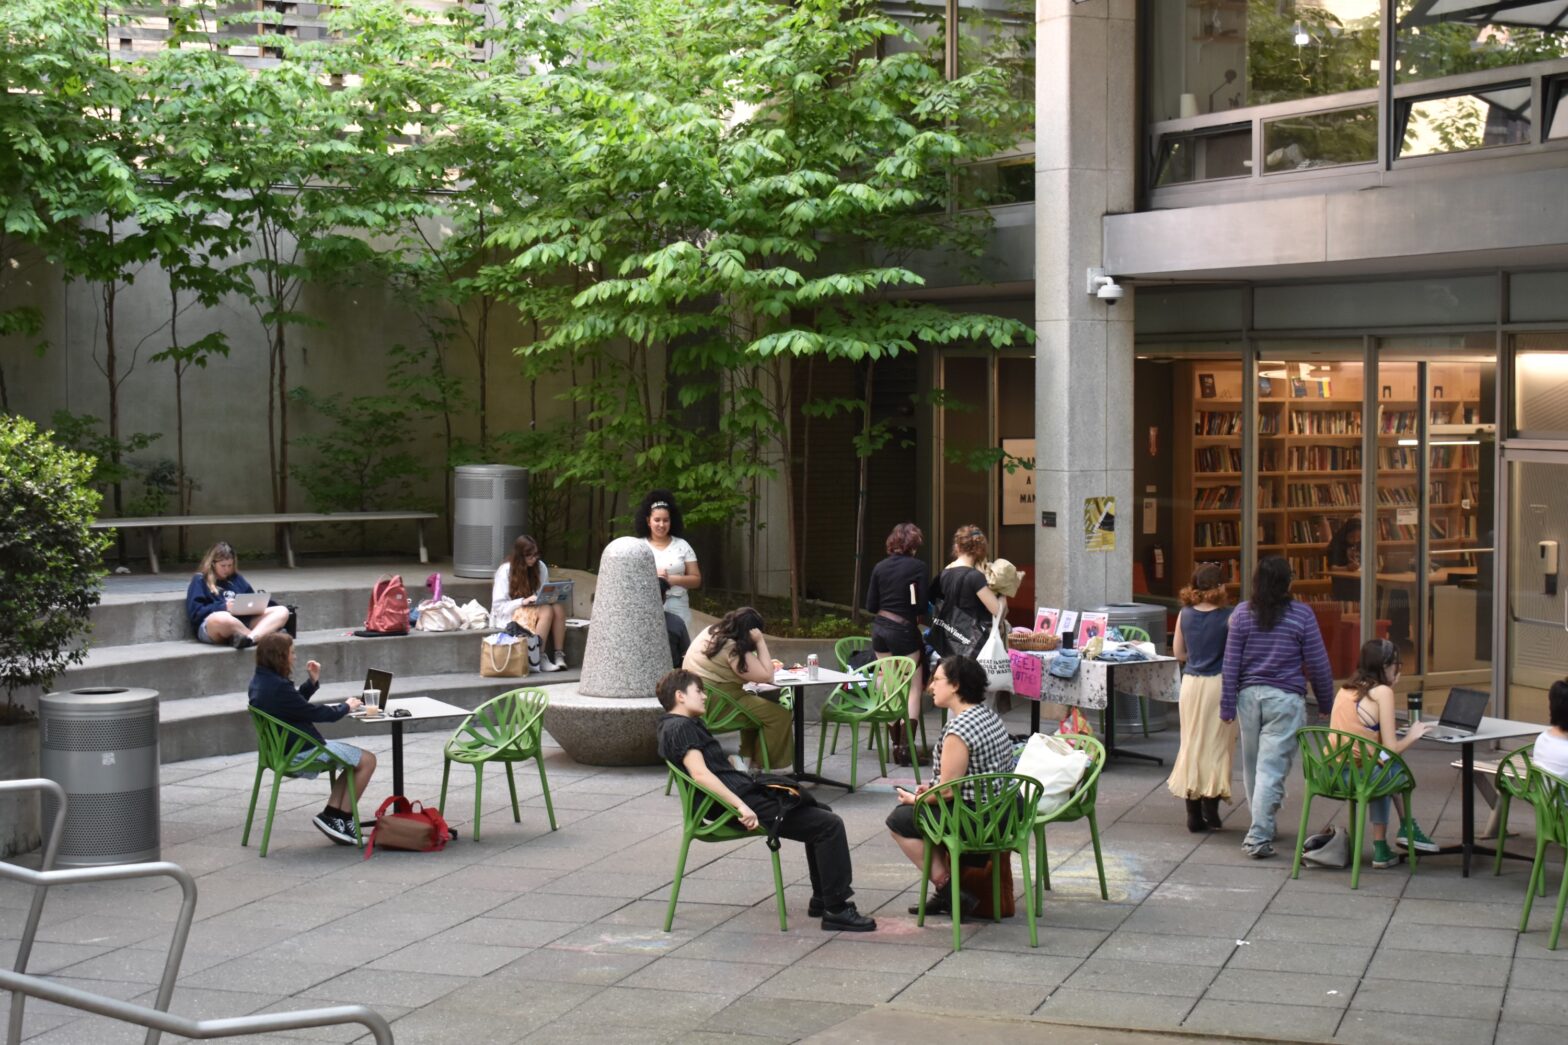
811,666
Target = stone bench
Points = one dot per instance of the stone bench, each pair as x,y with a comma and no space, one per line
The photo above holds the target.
154,524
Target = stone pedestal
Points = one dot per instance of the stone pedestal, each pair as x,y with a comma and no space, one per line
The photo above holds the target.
609,717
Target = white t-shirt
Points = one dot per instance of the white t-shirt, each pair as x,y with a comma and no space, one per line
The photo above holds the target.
1551,754
672,559
502,606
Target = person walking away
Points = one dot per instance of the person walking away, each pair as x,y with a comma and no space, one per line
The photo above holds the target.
896,594
1273,647
1201,774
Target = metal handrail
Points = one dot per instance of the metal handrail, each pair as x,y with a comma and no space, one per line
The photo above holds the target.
157,1019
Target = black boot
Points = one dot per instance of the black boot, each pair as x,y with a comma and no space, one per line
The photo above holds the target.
1195,822
900,749
1211,814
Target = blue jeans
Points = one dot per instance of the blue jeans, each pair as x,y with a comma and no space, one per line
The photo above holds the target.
1270,719
1377,808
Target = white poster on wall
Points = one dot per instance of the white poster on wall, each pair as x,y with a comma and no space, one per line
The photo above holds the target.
1018,484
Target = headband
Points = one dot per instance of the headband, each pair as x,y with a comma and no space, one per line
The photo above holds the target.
658,504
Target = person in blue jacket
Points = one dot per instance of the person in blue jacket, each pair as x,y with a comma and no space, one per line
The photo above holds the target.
207,600
272,690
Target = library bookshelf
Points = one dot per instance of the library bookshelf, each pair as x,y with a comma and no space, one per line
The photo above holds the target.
1310,466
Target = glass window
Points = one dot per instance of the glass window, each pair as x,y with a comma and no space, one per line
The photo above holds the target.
1466,120
1557,108
996,183
1225,152
1327,139
1541,386
1208,56
1444,37
927,23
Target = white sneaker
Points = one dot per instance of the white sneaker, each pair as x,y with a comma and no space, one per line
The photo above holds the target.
560,660
546,664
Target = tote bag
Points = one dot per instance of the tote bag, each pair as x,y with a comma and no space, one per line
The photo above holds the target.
994,659
503,660
1057,765
956,631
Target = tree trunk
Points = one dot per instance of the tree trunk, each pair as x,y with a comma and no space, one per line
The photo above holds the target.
805,468
860,492
782,389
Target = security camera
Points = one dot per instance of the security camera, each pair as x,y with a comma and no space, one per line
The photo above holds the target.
1105,287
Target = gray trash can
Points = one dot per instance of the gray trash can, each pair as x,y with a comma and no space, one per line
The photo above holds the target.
490,511
101,746
1152,620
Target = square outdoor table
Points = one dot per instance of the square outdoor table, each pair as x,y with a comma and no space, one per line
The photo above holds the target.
1158,678
1489,729
418,708
791,679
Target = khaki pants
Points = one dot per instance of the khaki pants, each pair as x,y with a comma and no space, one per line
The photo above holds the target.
778,733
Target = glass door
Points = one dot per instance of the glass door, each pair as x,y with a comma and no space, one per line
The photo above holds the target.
1537,619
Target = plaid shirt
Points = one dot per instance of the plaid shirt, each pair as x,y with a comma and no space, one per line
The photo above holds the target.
990,747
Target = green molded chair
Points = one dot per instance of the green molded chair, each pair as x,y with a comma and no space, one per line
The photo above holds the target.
289,751
503,729
705,817
1354,769
999,822
1513,781
881,702
1133,633
1549,794
725,715
843,649
1079,807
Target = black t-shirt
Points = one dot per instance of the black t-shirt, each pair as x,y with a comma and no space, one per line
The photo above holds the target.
897,585
963,584
679,734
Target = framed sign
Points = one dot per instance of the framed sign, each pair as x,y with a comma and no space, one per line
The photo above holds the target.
1018,484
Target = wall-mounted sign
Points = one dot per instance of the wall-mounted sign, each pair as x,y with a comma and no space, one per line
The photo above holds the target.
1018,484
1099,524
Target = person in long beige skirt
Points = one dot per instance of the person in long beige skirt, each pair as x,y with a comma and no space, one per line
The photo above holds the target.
1201,775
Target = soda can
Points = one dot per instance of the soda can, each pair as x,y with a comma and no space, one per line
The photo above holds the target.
811,666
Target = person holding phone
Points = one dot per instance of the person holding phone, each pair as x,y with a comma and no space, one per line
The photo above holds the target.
272,690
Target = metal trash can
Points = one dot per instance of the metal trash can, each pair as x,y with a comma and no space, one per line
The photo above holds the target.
101,746
1152,620
491,510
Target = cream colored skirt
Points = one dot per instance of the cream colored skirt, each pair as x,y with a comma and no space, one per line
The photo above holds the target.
1202,768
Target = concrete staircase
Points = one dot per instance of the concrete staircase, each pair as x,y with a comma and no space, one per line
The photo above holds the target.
141,638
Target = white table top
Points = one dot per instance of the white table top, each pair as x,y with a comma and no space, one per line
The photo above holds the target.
417,707
825,675
1493,729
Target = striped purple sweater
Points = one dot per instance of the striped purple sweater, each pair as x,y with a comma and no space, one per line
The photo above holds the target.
1285,657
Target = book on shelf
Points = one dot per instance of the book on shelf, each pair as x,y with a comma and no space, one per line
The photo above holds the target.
1324,458
1325,422
1396,422
1339,494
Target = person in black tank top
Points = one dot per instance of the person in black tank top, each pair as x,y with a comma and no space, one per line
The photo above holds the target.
896,594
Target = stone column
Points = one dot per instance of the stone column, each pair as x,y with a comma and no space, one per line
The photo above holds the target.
1085,154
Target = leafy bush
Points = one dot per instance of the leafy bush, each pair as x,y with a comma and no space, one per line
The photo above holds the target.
50,561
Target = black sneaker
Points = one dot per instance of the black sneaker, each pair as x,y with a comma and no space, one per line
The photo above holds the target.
336,828
847,920
243,642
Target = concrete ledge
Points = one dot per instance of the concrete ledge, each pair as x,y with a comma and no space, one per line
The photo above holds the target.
604,731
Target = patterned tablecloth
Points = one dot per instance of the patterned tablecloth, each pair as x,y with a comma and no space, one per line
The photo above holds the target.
1158,679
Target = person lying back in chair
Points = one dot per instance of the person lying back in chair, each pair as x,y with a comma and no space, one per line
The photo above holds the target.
685,741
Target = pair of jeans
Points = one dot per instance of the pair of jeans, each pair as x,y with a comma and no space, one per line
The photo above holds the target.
827,844
1270,719
1387,773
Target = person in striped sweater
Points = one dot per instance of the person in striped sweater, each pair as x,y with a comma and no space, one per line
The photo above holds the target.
1273,650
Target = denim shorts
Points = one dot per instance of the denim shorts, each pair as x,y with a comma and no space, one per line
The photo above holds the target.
347,752
201,633
899,638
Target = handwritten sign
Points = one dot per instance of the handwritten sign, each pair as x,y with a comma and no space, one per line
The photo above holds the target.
1026,674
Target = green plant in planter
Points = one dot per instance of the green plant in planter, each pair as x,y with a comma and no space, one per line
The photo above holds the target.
50,561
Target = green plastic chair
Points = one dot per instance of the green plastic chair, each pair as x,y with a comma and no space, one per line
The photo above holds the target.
1549,794
725,715
705,817
1513,781
843,649
1079,807
289,751
503,729
1133,633
881,702
999,822
1354,769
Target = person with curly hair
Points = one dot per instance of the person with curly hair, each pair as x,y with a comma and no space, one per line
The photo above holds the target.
726,656
1201,775
658,521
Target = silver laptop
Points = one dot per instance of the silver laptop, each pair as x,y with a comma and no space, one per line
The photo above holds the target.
249,605
1461,715
554,591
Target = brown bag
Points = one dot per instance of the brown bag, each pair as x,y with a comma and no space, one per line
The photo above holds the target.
503,661
974,878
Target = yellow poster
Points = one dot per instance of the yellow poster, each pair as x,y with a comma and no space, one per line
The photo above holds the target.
1099,524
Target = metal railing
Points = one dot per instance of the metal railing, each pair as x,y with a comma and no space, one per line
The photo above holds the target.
157,1019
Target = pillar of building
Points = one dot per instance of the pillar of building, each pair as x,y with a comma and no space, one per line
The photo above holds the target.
1085,156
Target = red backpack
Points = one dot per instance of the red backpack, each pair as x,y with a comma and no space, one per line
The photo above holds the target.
409,825
388,613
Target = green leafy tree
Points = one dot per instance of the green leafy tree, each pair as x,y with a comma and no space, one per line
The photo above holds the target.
50,561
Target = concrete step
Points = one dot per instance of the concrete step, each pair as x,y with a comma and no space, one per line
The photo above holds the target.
220,725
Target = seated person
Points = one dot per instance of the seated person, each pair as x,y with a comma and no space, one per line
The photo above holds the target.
685,741
272,690
1551,747
207,599
1365,706
674,629
515,596
726,656
975,740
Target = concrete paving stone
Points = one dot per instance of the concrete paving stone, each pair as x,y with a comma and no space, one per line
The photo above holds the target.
847,951
1313,929
778,1017
453,959
433,1026
1118,867
1532,945
492,880
1014,997
737,893
94,930
589,968
501,932
376,987
1190,921
581,1028
1510,1032
410,923
1457,914
693,914
338,1032
1260,987
1429,999
1387,884
674,973
1391,963
1293,956
851,986
1340,903
703,1037
1059,912
1405,1029
1533,974
972,963
262,976
1225,898
1097,974
1527,1005
1452,939
90,1030
210,1003
265,914
621,886
546,907
655,1009
506,999
1273,1020
49,957
1013,935
1440,879
327,945
1251,876
774,948
1093,1006
1127,945
612,939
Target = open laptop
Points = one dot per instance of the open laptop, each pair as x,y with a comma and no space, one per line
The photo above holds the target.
554,591
375,678
249,605
1461,715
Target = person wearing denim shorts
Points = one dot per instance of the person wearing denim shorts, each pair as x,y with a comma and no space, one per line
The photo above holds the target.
1273,648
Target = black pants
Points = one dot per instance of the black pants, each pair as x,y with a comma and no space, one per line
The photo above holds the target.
827,846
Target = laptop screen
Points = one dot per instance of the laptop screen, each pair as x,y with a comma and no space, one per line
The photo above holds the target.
1465,708
375,678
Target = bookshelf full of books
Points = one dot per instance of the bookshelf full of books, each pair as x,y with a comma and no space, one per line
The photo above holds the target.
1310,466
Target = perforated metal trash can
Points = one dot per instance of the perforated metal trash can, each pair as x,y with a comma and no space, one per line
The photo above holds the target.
101,746
1152,620
490,511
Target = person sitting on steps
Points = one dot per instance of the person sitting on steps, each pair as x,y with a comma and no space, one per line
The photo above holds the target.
216,582
515,597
